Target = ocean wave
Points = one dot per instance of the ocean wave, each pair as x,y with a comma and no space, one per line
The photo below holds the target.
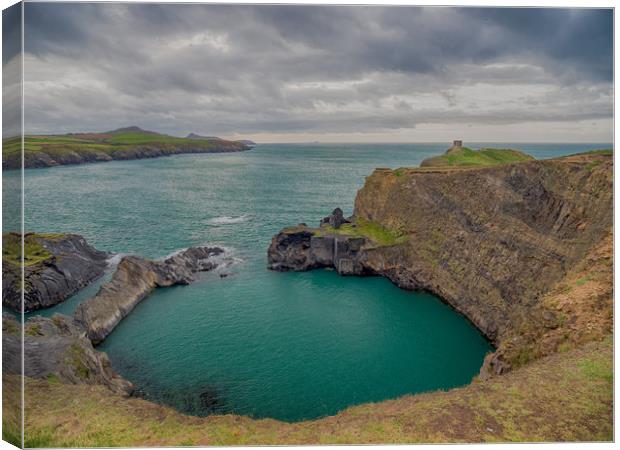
115,259
227,220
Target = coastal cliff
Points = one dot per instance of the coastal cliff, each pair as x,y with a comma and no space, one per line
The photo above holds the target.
496,243
56,266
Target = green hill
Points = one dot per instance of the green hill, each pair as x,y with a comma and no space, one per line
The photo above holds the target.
463,156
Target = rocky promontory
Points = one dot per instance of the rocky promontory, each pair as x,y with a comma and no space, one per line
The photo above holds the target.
134,279
500,244
56,266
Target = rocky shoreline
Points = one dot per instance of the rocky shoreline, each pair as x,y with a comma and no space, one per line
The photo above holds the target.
62,347
491,242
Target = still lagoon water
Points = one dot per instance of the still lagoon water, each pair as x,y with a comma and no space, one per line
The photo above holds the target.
289,346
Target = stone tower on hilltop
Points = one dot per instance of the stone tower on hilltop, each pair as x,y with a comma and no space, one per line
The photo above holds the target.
458,143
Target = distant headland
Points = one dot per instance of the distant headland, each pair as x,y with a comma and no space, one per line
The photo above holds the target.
121,144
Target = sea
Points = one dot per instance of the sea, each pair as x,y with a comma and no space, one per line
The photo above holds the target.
289,346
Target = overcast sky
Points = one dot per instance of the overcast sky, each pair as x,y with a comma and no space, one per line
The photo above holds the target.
327,73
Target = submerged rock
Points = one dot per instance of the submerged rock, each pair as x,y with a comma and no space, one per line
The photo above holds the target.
57,349
134,279
56,267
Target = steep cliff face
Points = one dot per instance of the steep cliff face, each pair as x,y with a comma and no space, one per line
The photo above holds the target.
56,266
492,242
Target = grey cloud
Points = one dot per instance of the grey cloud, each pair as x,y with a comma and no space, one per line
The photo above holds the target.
284,69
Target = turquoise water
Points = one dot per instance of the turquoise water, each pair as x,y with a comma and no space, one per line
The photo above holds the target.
290,346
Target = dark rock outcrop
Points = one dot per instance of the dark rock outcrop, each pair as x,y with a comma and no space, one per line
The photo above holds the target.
70,264
491,241
134,279
335,219
57,349
303,248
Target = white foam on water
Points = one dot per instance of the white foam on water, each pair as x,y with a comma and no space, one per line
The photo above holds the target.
115,259
224,260
228,220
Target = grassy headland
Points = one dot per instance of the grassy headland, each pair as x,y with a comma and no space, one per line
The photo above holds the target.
463,156
124,143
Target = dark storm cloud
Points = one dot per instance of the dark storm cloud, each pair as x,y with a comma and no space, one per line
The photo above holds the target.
11,71
223,68
576,37
11,32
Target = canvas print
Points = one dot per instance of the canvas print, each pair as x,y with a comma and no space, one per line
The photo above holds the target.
230,224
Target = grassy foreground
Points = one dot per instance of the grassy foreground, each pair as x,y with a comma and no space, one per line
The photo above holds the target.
463,156
564,397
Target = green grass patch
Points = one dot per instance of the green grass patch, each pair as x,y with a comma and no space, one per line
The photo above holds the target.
591,165
33,329
58,145
11,434
596,370
76,360
371,230
34,252
52,378
603,152
463,156
581,281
